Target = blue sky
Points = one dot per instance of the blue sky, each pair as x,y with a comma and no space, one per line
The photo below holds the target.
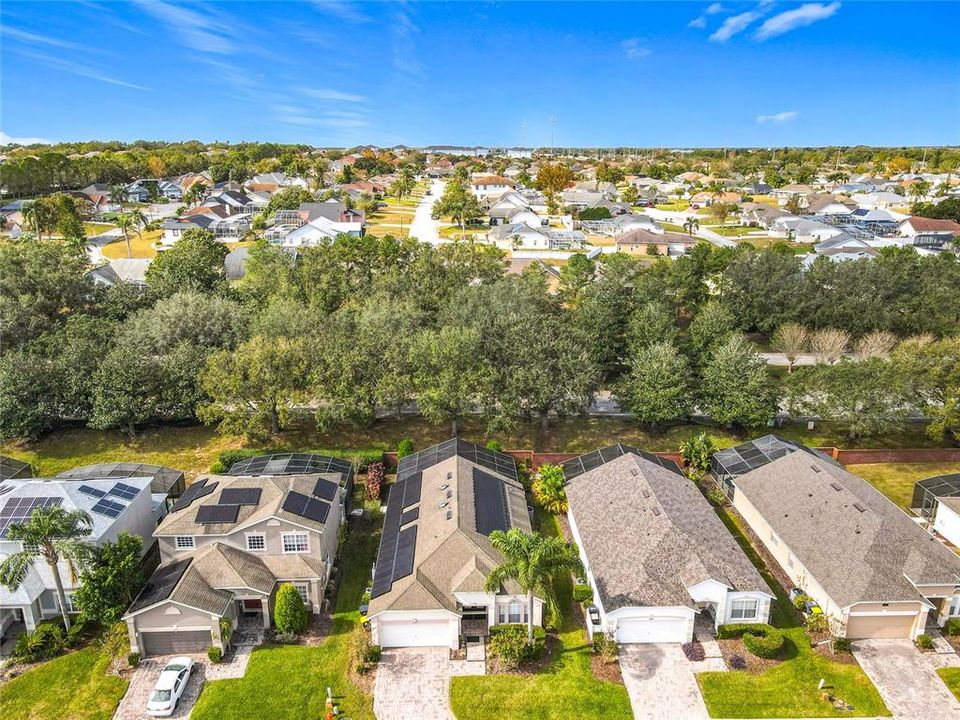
344,73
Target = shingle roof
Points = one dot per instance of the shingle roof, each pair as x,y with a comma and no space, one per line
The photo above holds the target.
922,224
649,535
855,555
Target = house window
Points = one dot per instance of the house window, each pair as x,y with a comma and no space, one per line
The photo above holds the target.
774,539
256,542
954,606
743,610
71,605
185,542
295,543
304,590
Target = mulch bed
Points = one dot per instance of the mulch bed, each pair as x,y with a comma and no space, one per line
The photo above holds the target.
735,646
602,670
954,641
318,628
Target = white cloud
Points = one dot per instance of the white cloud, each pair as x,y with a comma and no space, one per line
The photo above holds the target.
80,70
698,22
34,38
738,23
714,9
797,18
10,140
341,9
335,95
198,31
778,118
633,48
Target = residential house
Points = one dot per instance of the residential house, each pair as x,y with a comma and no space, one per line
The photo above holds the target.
513,208
783,194
98,195
645,242
274,181
873,571
231,540
166,484
704,199
218,218
435,552
114,506
760,214
622,224
522,236
829,205
582,199
881,200
845,244
656,555
127,270
489,188
916,226
801,230
315,232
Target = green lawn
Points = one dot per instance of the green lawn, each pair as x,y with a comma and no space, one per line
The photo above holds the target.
72,687
675,206
789,689
93,229
565,689
195,448
141,246
951,678
291,681
734,230
896,480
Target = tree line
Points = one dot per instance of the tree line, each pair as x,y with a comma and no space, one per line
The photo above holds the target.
359,326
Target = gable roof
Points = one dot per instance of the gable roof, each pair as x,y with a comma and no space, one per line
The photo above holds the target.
447,498
923,224
855,542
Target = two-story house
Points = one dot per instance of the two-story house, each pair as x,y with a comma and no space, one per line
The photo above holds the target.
231,540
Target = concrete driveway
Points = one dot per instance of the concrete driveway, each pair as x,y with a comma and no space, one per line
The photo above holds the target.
906,680
413,683
660,682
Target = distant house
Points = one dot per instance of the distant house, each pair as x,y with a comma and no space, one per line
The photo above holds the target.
845,244
621,224
274,181
579,199
655,553
829,205
871,568
879,200
916,225
522,236
128,270
709,198
513,208
331,210
313,233
644,242
491,187
760,214
802,230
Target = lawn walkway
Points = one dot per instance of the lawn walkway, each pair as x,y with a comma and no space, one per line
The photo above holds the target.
788,690
289,682
565,690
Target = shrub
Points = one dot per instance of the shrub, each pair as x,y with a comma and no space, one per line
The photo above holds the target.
495,446
548,488
582,593
696,452
289,614
762,640
133,659
841,644
800,600
374,481
817,623
374,654
215,654
116,640
405,447
924,642
47,641
694,651
738,662
605,646
952,626
360,650
75,633
716,496
285,638
508,643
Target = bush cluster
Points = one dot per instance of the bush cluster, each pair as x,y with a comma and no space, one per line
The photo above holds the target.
694,651
405,447
133,659
582,593
738,662
841,644
364,654
508,643
47,641
762,640
215,654
952,626
374,480
924,642
605,646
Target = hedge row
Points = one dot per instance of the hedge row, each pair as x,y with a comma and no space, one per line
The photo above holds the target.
762,640
360,458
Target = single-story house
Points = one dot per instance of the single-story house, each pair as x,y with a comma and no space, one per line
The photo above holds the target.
655,552
872,569
435,552
231,540
644,242
916,225
520,235
128,270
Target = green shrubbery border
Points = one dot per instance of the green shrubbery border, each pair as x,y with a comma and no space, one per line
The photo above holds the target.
763,640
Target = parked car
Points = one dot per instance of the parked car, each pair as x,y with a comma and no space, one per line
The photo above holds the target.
170,686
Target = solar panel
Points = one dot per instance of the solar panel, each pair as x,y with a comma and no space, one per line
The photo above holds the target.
240,496
122,490
210,514
489,459
490,503
406,549
92,491
411,493
194,492
161,584
584,463
306,506
18,510
325,489
409,516
108,507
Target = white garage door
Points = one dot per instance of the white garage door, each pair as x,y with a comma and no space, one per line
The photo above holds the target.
652,630
423,633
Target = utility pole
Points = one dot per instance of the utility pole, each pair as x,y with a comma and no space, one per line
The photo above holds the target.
523,134
553,121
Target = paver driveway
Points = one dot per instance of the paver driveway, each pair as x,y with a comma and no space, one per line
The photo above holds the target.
413,683
134,702
660,682
906,680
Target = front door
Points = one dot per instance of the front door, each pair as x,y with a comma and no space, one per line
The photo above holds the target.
251,607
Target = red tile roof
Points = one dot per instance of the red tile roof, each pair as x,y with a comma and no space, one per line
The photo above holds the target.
922,224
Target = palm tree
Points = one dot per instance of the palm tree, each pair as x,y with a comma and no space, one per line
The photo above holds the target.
117,194
126,223
31,214
534,562
51,533
691,225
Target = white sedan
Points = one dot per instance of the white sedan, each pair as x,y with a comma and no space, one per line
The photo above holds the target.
166,693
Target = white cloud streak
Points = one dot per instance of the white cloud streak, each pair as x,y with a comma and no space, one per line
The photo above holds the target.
341,9
85,71
736,24
336,95
797,18
778,118
35,39
633,49
198,31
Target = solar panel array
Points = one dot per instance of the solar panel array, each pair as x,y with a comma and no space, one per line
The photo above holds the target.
199,489
13,469
736,461
305,506
18,510
92,491
392,562
240,496
163,480
122,490
325,489
160,585
584,463
291,464
490,502
495,461
109,508
213,514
